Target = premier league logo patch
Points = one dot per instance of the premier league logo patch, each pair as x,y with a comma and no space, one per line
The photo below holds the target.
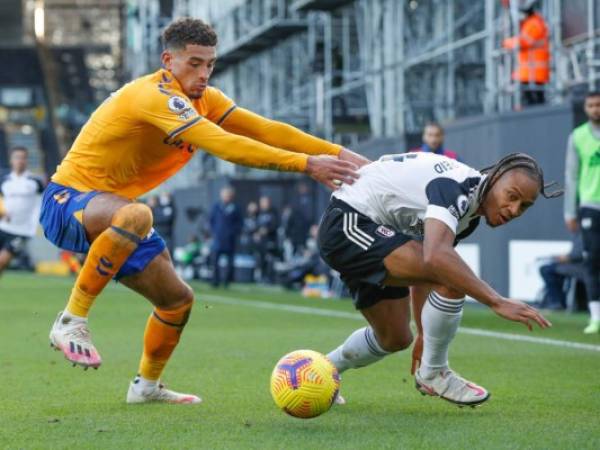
384,231
181,107
178,104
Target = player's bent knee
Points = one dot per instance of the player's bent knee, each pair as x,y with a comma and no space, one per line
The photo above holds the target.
395,342
449,292
135,218
187,295
183,296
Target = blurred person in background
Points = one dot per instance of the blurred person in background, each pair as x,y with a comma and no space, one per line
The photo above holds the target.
19,207
433,141
266,238
134,141
557,271
308,262
225,226
247,238
533,67
296,219
582,199
163,211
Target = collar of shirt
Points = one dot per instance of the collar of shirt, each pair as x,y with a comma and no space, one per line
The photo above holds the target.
23,174
595,130
168,77
427,149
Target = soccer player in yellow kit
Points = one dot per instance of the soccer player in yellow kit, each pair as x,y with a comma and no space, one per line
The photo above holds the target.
139,137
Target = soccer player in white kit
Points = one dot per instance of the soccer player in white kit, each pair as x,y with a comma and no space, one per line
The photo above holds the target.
397,227
20,206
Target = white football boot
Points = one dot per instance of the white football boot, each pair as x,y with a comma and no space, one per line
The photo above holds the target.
339,400
450,386
72,337
159,393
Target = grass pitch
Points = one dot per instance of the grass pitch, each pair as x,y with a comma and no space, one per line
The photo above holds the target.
543,396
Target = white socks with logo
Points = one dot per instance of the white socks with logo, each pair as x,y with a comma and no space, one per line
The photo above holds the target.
359,350
440,318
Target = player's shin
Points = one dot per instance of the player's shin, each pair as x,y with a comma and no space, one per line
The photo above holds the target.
440,318
162,334
360,349
107,254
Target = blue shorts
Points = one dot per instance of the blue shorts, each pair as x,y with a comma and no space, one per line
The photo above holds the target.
62,216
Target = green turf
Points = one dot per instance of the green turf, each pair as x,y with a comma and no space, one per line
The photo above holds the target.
543,396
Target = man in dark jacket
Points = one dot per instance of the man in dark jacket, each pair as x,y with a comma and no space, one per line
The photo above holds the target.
266,238
225,225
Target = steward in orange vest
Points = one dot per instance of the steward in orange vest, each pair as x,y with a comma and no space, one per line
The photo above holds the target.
534,56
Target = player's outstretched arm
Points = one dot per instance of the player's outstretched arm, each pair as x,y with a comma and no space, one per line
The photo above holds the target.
281,135
448,269
353,157
249,152
331,171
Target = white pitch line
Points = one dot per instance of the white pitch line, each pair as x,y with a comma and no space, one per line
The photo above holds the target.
355,316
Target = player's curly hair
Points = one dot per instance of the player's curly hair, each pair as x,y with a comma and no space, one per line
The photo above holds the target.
186,31
521,161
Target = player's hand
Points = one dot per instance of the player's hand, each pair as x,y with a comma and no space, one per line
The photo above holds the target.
349,155
520,312
331,171
417,353
572,225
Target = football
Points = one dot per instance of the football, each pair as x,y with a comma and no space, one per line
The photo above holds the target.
304,384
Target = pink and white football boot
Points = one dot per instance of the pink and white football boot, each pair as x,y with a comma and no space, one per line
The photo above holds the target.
448,385
71,336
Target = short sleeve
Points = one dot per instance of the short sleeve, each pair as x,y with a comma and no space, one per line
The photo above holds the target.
172,113
218,105
448,201
39,184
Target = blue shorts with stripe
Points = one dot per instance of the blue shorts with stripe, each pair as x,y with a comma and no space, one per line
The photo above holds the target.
62,216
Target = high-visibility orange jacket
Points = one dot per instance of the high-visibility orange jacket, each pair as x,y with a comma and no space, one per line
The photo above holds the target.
534,53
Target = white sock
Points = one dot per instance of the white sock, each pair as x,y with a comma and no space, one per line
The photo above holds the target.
440,317
594,310
141,384
359,350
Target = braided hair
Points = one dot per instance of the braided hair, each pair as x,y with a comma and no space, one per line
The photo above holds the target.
513,161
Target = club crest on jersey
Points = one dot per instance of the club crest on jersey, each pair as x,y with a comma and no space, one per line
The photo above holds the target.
462,202
460,207
385,231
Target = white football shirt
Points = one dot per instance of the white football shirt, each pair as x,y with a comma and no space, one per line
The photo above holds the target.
22,203
401,191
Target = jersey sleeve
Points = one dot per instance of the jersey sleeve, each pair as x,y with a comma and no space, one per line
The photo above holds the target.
171,111
240,149
219,106
448,201
275,133
39,184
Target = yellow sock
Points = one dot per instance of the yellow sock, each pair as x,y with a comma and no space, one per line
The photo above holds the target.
107,254
162,334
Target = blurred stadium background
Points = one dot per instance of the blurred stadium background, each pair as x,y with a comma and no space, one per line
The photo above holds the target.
365,73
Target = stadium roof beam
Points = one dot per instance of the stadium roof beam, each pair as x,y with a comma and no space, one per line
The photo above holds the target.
318,5
259,39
